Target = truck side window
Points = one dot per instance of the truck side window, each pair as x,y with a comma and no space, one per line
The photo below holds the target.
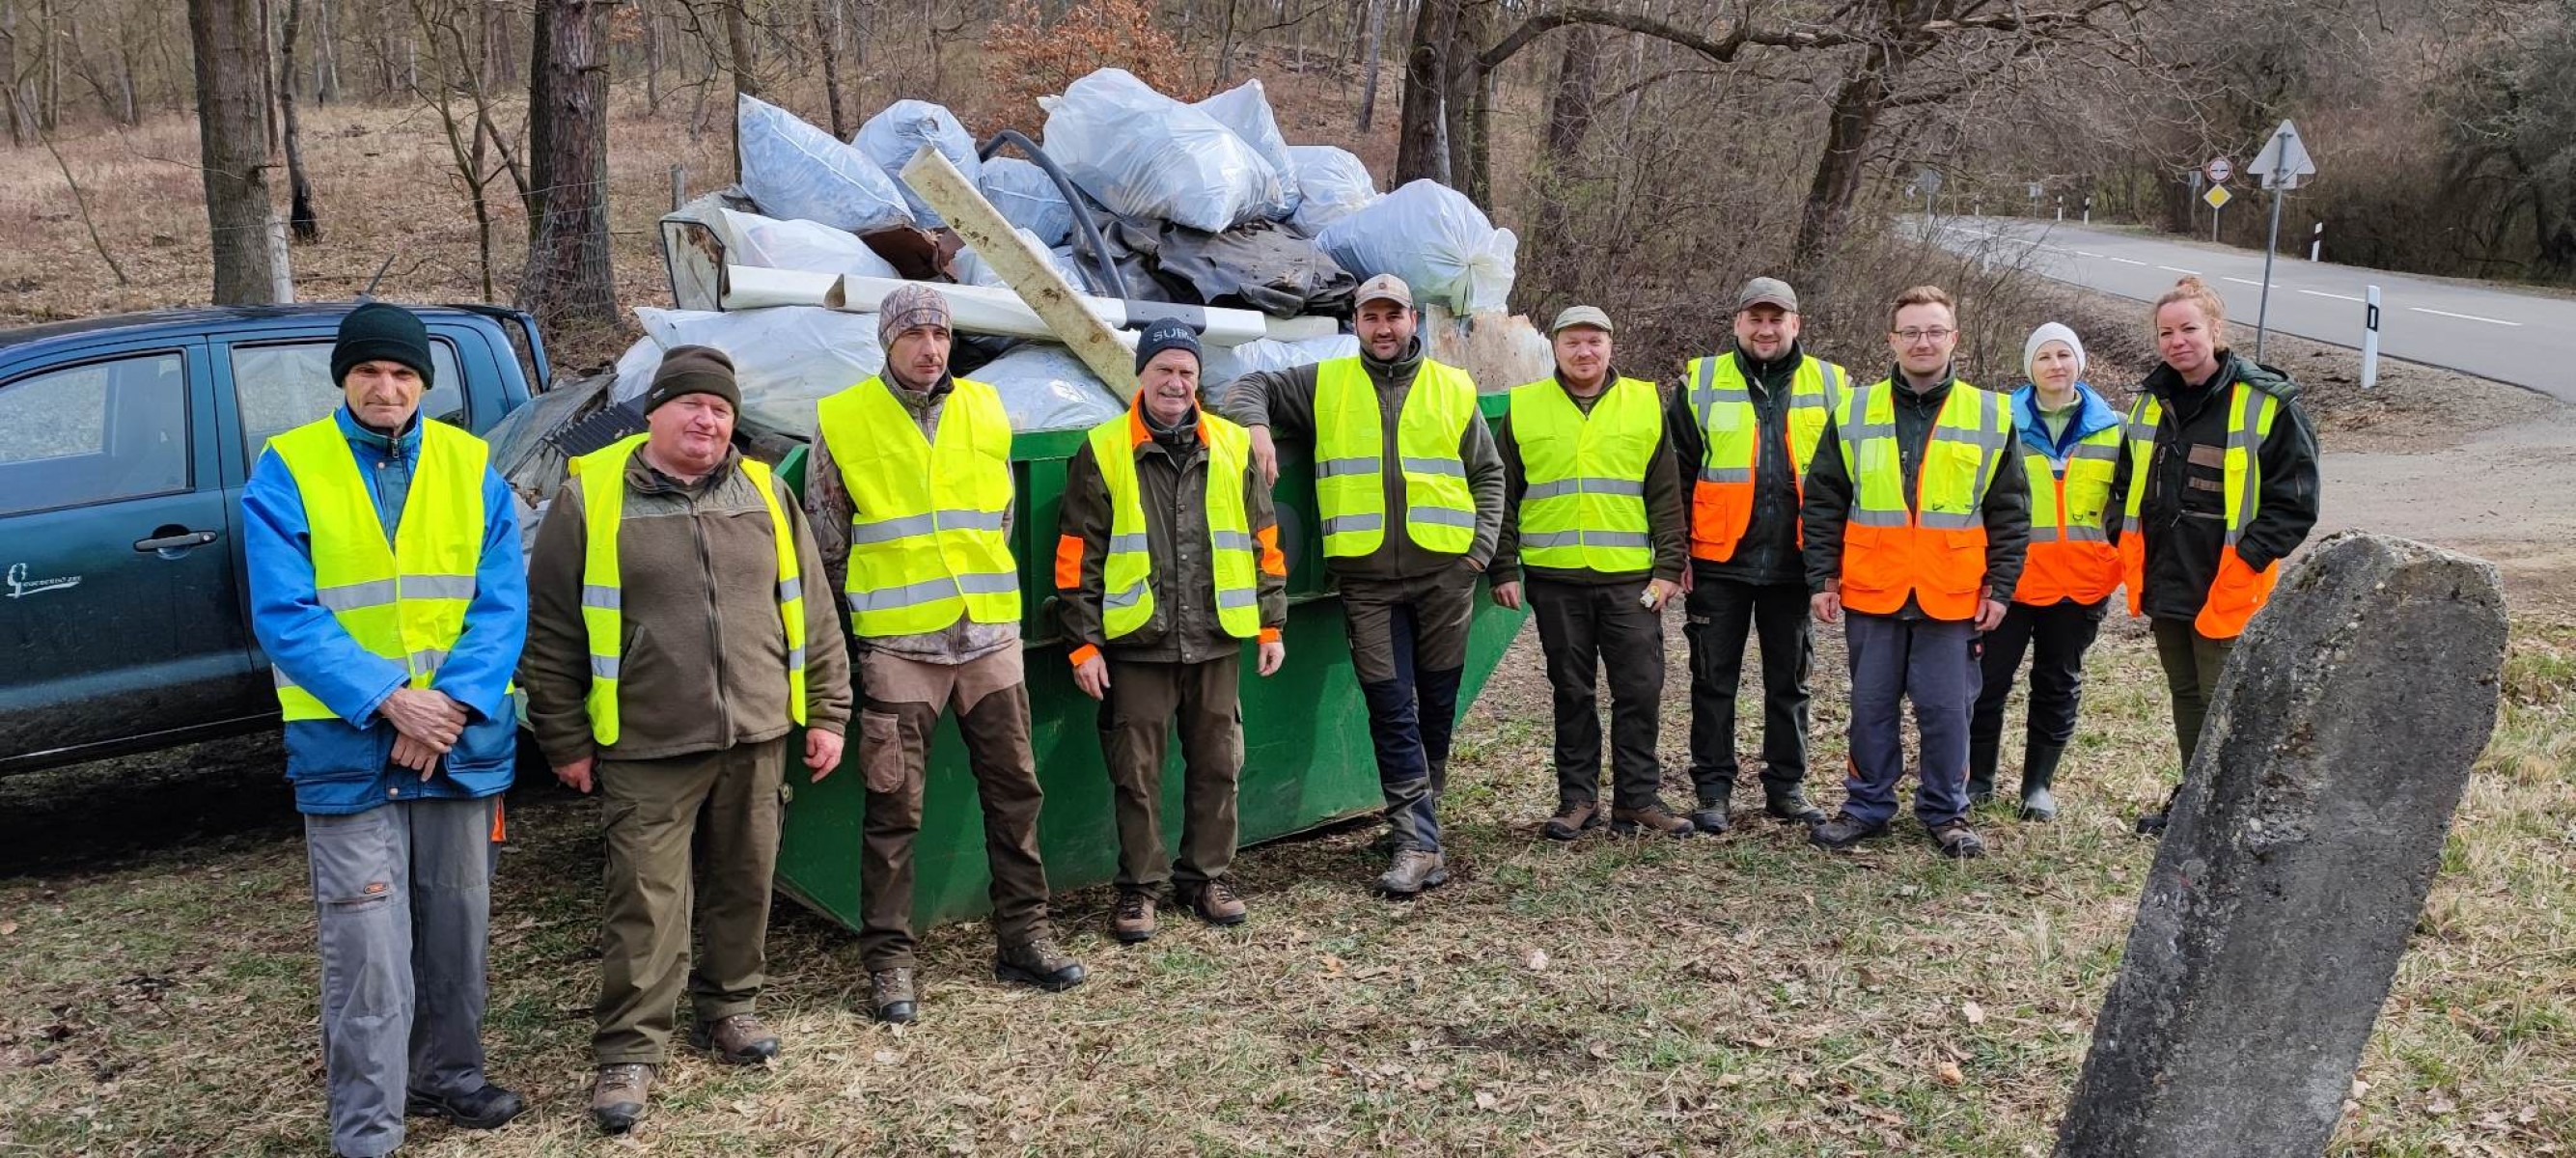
284,385
115,429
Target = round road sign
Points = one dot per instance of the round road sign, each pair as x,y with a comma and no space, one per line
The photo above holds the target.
2219,170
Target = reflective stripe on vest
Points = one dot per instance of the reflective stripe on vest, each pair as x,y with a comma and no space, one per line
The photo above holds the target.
1584,507
1351,458
603,496
1730,432
1127,570
403,597
2237,591
926,516
2071,557
1934,550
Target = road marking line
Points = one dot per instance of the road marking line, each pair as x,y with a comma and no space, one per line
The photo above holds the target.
2081,253
2324,294
2463,317
2127,261
2179,269
2240,281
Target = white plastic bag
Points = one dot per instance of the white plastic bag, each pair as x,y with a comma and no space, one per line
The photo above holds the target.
794,170
804,245
1028,198
899,130
1245,108
1146,155
785,358
1435,239
1225,364
1045,387
1331,184
970,267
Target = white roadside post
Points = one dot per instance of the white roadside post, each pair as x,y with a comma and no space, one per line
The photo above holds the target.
2317,242
2370,341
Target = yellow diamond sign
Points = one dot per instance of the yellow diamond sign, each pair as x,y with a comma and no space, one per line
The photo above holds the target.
2217,197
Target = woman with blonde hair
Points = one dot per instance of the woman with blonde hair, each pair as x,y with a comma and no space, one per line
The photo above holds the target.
2217,482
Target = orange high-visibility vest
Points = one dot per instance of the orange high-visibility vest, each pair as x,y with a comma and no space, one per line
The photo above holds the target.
1730,433
1935,549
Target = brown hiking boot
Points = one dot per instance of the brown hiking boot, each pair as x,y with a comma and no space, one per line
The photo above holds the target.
1214,902
1133,921
890,996
1037,962
1413,871
1844,831
1651,820
618,1094
1958,841
1574,820
738,1039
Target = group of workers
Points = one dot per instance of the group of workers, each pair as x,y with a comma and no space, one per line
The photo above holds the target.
661,635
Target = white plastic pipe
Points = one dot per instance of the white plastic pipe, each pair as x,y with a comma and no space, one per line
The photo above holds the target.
751,287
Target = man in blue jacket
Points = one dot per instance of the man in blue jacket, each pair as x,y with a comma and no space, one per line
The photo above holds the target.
387,585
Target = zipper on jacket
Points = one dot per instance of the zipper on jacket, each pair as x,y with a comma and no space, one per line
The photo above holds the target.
715,621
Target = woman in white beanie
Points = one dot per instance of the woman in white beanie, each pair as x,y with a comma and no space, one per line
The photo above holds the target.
2069,440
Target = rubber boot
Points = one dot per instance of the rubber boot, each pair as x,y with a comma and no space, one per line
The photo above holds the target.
1981,772
2038,769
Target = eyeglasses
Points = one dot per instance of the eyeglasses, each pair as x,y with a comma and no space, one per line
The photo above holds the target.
1913,337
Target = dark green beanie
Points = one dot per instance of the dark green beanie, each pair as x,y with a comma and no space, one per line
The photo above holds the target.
693,370
376,332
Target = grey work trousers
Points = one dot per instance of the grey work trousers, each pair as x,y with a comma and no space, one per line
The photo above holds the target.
402,897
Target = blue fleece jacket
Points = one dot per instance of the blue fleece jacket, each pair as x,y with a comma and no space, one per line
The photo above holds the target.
346,765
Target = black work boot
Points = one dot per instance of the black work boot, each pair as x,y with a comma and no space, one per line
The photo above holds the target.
2038,769
1981,771
487,1108
2153,823
1788,804
1844,831
1715,803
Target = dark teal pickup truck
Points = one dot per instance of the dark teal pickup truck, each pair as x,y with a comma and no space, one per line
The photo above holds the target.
124,443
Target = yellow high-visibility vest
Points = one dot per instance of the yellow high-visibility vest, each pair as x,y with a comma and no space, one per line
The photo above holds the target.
404,600
926,518
2070,550
1584,503
1351,459
2237,591
1127,598
1730,432
1935,548
603,496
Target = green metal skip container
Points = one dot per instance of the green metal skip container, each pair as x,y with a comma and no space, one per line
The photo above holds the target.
1307,757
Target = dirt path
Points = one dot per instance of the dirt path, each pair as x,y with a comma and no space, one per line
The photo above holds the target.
2506,494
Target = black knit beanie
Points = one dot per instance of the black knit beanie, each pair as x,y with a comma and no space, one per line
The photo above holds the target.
376,332
1166,334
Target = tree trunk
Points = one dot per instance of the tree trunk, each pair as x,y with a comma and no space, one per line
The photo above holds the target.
326,54
233,147
1372,40
568,280
830,47
540,148
1422,138
1466,100
1856,109
746,81
9,72
300,188
652,62
1225,46
1569,125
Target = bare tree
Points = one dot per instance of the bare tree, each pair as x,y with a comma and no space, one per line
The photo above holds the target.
568,280
827,20
300,187
233,148
1371,54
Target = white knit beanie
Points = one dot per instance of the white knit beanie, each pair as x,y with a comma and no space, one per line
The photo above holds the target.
2051,332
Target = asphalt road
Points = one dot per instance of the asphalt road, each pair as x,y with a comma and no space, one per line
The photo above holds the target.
2526,339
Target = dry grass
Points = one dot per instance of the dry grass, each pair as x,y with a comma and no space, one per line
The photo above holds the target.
1741,995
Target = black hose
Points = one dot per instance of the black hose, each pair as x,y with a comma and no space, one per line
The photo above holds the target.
1108,281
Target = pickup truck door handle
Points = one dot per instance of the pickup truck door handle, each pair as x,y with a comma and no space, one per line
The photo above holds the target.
173,539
